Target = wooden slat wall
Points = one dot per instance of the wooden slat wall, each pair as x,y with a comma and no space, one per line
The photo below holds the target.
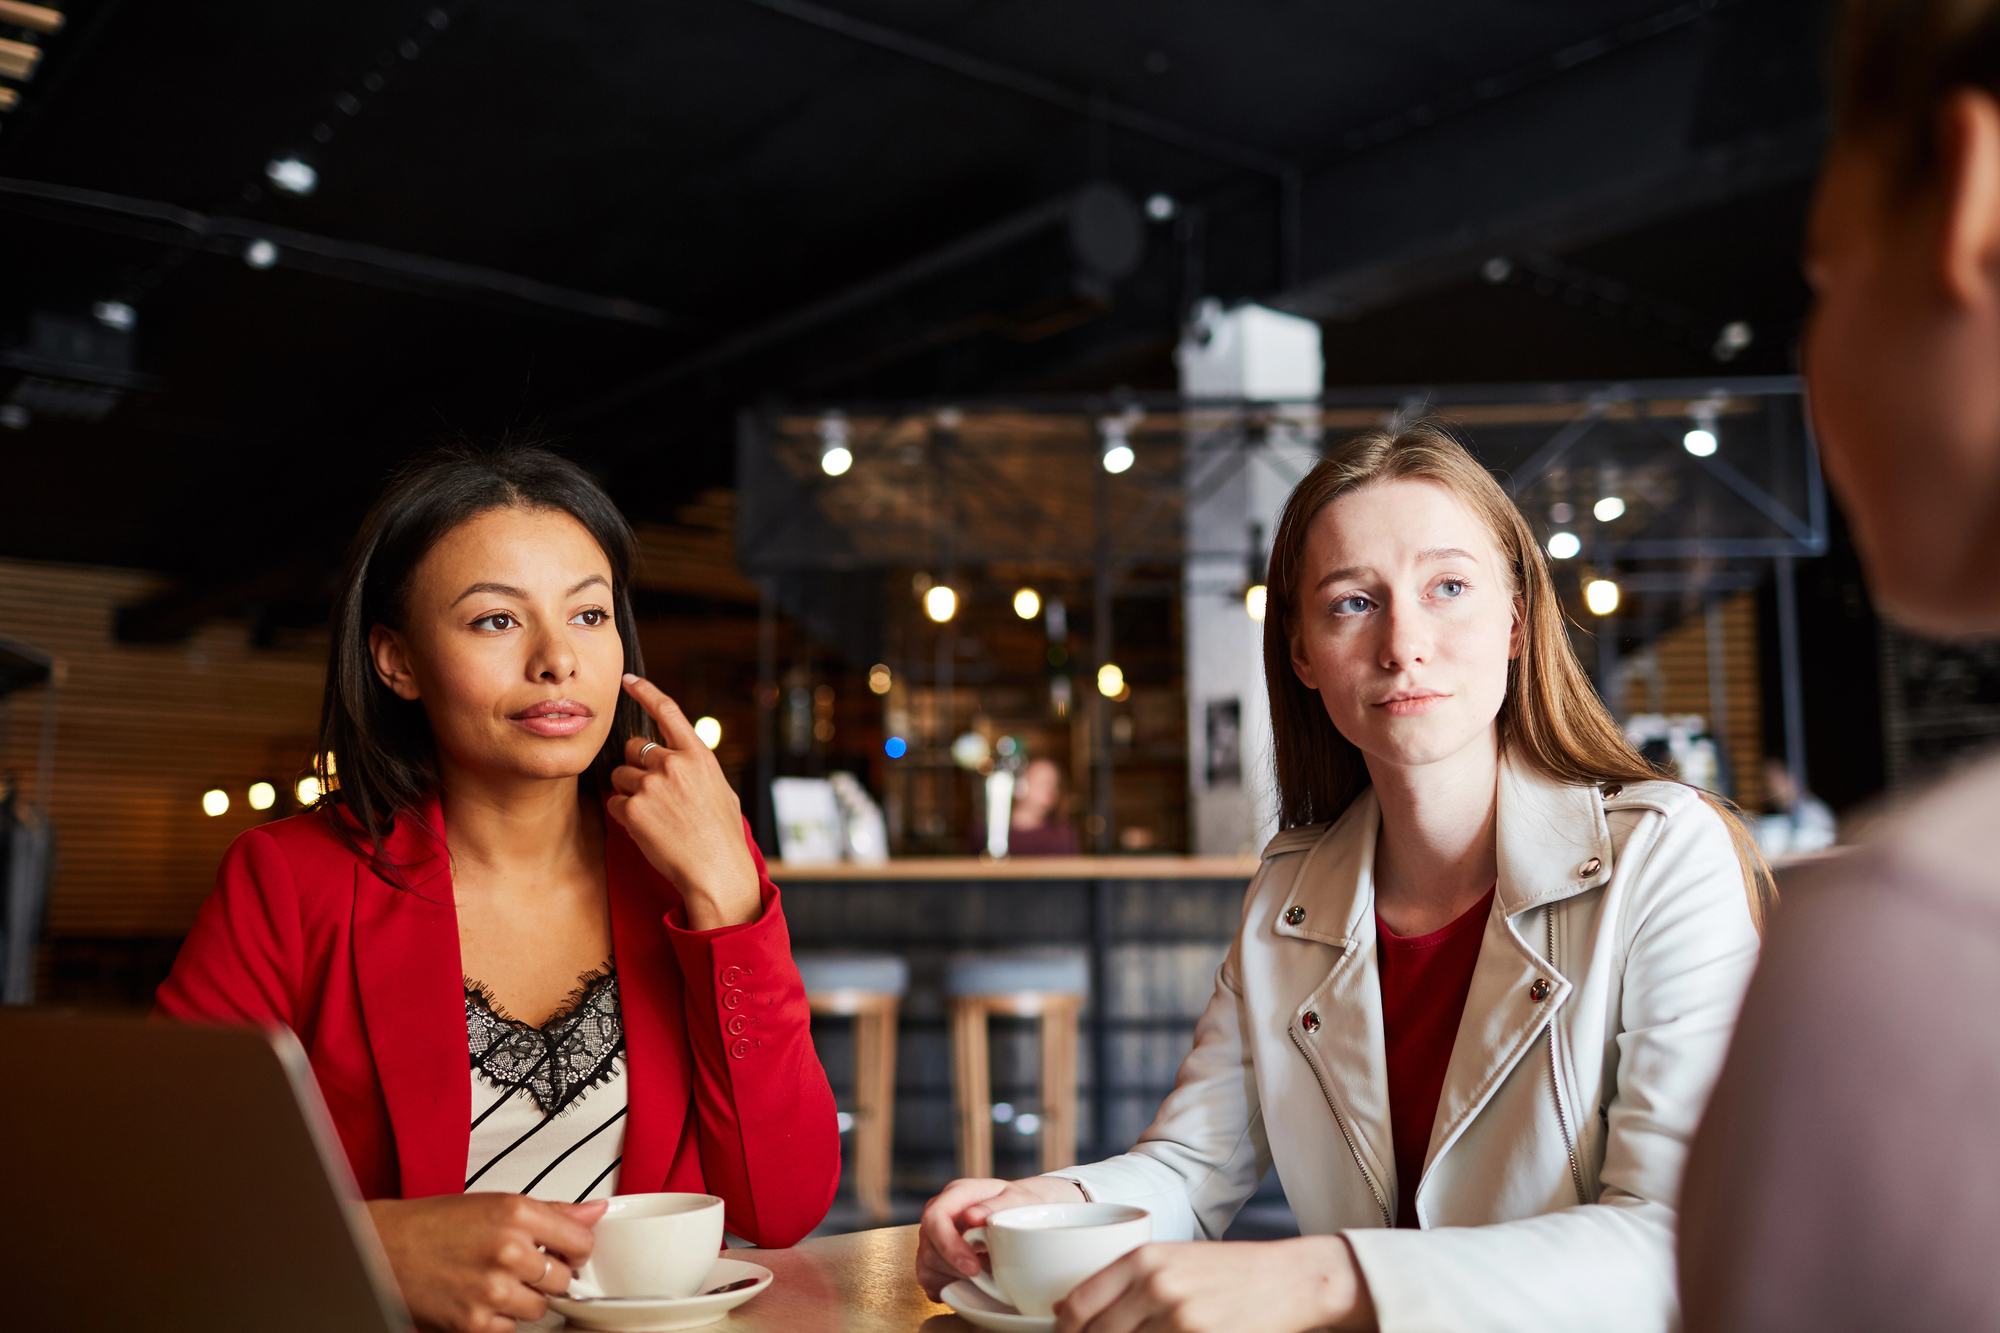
143,730
1683,658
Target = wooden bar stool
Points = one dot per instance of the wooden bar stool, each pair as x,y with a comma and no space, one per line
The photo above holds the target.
869,989
1048,987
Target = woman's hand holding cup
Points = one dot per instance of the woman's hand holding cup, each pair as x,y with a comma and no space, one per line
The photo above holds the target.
476,1263
943,1256
681,811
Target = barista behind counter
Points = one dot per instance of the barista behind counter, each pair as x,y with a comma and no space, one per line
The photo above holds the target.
1036,826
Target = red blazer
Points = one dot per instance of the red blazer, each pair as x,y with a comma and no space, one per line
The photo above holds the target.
726,1093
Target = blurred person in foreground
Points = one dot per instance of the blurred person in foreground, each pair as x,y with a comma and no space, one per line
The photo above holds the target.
1847,1174
1485,978
1036,826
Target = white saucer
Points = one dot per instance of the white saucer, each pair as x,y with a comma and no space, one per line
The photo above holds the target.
640,1314
975,1306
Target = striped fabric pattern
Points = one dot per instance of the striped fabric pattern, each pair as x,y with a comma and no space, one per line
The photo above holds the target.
548,1103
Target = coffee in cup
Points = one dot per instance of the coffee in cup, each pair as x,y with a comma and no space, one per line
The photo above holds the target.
1040,1253
652,1245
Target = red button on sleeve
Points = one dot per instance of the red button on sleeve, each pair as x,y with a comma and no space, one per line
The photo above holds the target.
731,975
738,1025
740,1047
732,999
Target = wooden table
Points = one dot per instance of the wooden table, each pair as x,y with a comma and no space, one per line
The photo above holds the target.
865,1282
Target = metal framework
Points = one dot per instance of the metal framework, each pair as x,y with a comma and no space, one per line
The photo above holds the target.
1019,481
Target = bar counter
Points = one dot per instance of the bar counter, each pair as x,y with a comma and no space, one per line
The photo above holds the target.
1153,927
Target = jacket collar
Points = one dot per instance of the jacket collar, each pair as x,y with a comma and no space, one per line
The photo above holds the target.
1552,840
1548,835
412,988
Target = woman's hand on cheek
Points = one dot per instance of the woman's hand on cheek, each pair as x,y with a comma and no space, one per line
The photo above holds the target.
679,808
475,1263
1272,1286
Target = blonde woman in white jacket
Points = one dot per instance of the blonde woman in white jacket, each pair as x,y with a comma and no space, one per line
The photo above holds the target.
1486,974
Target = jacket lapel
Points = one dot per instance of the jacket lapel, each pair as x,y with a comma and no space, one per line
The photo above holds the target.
1337,1021
1549,834
407,970
658,1079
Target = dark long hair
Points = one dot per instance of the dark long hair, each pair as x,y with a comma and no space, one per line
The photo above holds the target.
1552,717
377,758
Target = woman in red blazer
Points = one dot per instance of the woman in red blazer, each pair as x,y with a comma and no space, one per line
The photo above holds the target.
534,957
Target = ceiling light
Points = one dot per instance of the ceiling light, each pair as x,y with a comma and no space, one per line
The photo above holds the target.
709,730
1161,207
115,315
834,455
880,679
260,253
1253,602
1027,603
1497,269
292,176
262,796
1563,545
1110,680
308,791
214,802
940,603
1117,455
972,750
1561,512
1735,336
1608,509
1703,439
1601,596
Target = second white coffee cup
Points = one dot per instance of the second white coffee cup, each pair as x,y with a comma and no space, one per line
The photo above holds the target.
1041,1252
652,1245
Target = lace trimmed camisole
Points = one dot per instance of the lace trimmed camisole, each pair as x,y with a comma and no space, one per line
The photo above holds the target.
548,1103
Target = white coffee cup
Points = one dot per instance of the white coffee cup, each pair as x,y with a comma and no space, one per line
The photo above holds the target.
1041,1252
652,1245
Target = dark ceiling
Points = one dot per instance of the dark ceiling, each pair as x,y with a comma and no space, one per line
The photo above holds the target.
720,166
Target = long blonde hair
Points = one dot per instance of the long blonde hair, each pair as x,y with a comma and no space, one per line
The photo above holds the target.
1552,717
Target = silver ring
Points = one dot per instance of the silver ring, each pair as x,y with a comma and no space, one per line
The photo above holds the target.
649,745
547,1265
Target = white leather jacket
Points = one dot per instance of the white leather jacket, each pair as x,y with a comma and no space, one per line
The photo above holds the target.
1608,980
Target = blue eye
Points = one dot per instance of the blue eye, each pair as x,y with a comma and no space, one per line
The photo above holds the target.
1451,588
1351,606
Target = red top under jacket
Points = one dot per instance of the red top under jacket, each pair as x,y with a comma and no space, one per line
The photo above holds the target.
726,1094
1424,982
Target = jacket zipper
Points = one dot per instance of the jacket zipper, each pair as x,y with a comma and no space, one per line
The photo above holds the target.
1555,1087
1337,1120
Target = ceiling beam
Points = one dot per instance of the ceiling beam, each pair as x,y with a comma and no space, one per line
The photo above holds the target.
1075,209
1615,142
1027,84
353,260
